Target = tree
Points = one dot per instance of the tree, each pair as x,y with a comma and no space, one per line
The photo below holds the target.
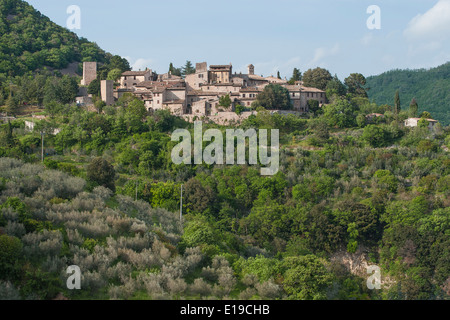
10,250
187,69
101,172
197,197
340,113
425,115
306,278
296,76
12,105
117,62
278,75
137,108
335,87
53,108
94,87
413,108
225,101
355,84
397,104
114,74
174,71
274,96
374,135
239,109
317,78
313,106
69,89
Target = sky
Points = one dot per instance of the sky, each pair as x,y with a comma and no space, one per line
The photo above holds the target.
272,35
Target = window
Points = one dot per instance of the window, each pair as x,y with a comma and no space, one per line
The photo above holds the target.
293,94
243,95
157,102
134,77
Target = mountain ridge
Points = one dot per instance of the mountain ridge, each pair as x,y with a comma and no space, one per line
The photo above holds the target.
430,88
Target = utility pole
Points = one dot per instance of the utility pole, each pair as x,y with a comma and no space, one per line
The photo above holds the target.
42,146
136,189
181,203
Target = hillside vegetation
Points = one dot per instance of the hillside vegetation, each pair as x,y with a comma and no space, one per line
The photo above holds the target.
430,88
30,41
108,195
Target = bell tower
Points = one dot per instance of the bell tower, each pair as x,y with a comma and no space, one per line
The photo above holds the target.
251,69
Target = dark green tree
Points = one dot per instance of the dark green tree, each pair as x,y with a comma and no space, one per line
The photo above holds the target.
397,103
317,78
274,96
355,84
94,87
188,68
101,172
413,108
296,76
335,87
313,106
225,101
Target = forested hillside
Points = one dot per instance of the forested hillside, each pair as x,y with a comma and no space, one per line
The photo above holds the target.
30,41
430,88
107,199
351,190
34,53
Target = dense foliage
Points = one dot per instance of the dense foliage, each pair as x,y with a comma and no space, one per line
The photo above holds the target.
30,41
430,88
353,190
369,190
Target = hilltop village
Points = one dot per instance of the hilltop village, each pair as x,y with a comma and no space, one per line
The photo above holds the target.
198,94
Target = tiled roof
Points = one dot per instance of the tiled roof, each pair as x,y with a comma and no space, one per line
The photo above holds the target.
309,89
135,73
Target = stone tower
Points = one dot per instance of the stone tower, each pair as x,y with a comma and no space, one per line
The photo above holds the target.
106,88
89,73
251,69
201,67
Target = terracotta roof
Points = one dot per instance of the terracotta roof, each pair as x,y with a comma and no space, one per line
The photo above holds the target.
275,79
251,89
204,93
174,102
256,77
292,87
149,84
135,73
220,66
429,120
309,89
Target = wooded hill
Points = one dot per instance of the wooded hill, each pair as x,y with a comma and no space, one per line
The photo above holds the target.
30,41
430,87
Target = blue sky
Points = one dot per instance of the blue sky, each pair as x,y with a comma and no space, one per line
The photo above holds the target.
272,35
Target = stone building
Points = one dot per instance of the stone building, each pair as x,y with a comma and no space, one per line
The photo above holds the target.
107,91
130,79
414,122
198,94
89,73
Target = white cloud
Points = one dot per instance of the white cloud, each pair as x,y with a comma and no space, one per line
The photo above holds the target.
321,53
270,68
140,63
367,39
433,24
